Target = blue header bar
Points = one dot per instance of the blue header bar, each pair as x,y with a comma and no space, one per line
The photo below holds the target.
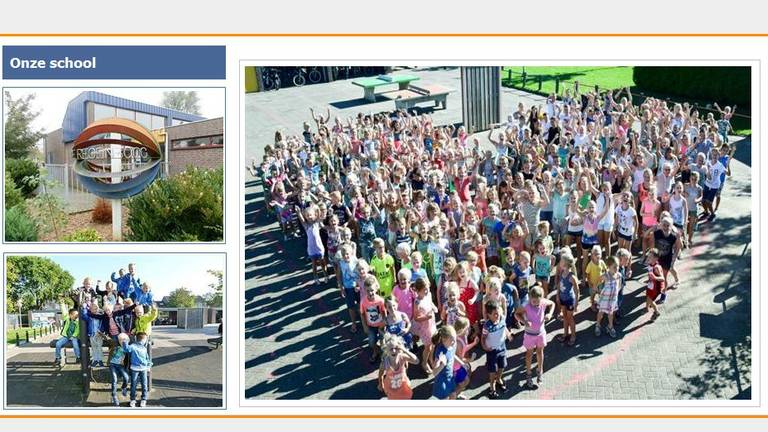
114,62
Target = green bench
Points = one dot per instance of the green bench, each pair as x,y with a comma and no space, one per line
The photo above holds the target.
369,84
413,95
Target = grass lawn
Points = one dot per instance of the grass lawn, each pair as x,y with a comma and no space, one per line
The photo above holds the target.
612,77
10,335
606,77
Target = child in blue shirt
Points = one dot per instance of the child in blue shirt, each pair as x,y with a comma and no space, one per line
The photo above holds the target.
127,283
116,360
140,366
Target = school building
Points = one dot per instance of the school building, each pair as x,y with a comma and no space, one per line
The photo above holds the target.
186,139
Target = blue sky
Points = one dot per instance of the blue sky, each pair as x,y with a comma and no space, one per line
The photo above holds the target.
164,272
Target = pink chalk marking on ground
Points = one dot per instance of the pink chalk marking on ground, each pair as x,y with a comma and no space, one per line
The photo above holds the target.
628,340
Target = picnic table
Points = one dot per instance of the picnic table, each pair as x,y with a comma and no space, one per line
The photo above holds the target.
369,84
412,95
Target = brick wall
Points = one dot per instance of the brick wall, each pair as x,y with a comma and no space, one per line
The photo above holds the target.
202,158
211,157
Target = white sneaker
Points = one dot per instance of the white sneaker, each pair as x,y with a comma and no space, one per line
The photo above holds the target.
143,403
133,404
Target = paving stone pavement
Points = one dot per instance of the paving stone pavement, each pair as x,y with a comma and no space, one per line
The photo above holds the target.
298,344
186,374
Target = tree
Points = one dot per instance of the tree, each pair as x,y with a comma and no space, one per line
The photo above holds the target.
20,136
181,298
216,296
184,101
34,280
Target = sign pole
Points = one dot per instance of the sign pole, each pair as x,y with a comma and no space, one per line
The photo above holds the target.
117,204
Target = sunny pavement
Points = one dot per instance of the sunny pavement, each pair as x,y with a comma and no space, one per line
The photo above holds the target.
297,339
187,373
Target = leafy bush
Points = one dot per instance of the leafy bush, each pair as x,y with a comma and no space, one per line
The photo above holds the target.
19,227
48,210
83,235
102,211
185,207
724,85
13,195
24,173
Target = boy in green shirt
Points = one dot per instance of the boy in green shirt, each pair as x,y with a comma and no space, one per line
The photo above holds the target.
383,266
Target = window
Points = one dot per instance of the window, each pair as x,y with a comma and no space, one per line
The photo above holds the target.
158,122
102,112
144,119
198,142
126,114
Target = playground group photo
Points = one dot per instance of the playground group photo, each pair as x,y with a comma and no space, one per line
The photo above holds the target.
548,233
114,330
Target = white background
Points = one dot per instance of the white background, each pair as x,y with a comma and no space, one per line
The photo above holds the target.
260,18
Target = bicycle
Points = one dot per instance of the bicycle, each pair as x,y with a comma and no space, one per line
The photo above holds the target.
299,79
270,77
315,76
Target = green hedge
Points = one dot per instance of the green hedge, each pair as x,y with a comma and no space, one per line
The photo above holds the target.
185,207
25,175
725,85
19,227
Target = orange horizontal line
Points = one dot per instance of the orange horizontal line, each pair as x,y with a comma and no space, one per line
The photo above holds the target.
383,34
378,416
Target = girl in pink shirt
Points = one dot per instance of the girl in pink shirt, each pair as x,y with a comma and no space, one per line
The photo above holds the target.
403,293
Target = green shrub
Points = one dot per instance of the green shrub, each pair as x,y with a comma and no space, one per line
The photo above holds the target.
84,235
721,84
185,207
19,227
13,195
24,173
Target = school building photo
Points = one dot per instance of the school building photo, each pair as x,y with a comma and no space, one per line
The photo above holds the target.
537,233
114,164
114,330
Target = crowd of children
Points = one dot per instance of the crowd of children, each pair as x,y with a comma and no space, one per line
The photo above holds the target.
121,314
437,242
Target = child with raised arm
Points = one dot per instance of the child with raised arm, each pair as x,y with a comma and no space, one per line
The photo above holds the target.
127,283
393,371
452,309
533,315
